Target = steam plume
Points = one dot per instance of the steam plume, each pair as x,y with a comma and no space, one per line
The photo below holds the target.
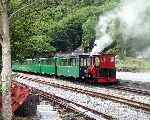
133,17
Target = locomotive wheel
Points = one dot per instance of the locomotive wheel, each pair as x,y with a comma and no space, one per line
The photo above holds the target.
28,108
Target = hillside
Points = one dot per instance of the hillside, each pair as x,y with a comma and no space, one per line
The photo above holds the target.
45,26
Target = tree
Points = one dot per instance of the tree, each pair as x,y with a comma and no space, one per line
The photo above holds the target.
6,61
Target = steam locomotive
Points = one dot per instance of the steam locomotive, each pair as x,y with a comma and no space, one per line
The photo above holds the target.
95,69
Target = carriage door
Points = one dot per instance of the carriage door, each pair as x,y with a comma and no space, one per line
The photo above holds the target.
83,63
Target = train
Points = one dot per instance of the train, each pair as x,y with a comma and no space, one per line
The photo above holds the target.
99,69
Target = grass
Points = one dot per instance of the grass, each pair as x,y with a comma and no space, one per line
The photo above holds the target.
140,65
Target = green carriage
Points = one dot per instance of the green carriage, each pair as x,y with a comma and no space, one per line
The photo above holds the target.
68,66
71,66
16,66
29,65
21,66
48,66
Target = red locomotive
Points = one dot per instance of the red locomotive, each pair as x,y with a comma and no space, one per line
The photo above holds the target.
98,68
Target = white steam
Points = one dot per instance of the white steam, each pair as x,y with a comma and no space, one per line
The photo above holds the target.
134,25
103,36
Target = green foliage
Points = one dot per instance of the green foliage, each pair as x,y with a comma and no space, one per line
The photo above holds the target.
39,43
54,25
68,39
89,32
134,64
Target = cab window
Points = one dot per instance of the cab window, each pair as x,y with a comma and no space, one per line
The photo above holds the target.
97,61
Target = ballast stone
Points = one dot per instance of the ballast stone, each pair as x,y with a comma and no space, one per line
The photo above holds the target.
46,112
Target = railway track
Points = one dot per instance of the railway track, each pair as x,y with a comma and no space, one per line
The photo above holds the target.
72,105
130,89
134,90
129,102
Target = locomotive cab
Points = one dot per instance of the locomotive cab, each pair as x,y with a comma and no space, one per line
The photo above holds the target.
103,69
98,68
107,69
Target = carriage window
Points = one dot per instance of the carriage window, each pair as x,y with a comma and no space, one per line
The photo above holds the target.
97,61
29,61
64,62
67,62
83,62
70,61
77,61
88,61
74,62
51,61
43,62
59,62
